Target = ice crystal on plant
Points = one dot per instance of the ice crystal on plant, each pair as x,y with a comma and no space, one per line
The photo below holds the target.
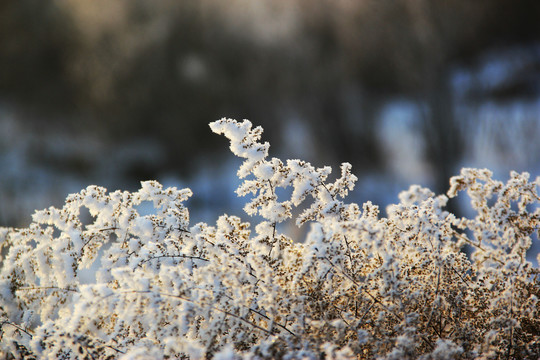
358,286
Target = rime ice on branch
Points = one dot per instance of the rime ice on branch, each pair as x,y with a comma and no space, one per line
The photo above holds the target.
132,286
271,174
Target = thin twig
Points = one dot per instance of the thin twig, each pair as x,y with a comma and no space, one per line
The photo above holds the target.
6,322
175,256
366,312
349,254
331,195
110,228
459,275
46,288
115,349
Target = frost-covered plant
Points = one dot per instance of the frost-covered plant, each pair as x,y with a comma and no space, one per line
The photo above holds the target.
132,286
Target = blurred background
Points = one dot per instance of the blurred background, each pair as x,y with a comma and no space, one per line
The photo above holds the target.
408,91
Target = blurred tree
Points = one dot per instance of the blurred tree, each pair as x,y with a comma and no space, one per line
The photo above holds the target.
406,48
128,69
35,39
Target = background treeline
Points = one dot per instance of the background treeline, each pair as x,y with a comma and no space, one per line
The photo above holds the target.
318,75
